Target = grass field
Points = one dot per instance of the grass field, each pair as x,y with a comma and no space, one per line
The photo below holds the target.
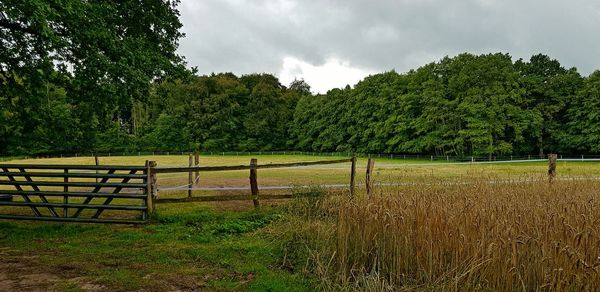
438,227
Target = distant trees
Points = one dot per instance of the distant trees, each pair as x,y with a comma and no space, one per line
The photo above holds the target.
583,118
466,105
117,85
549,91
221,112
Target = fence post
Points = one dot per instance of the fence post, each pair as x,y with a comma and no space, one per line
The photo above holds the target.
352,175
190,176
66,197
369,176
254,182
552,166
197,163
150,185
97,163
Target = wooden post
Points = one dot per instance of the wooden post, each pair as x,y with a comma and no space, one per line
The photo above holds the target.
197,163
151,185
97,163
369,176
254,182
66,197
190,181
552,166
352,175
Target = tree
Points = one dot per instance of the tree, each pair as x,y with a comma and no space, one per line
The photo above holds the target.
549,89
103,53
583,126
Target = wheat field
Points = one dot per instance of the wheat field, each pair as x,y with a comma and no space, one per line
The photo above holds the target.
463,237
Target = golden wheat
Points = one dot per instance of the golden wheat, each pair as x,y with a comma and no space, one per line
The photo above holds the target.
471,236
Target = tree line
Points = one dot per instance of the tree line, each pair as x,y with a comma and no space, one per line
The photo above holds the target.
79,76
465,105
479,105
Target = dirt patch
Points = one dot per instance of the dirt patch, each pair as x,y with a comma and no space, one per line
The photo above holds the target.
20,272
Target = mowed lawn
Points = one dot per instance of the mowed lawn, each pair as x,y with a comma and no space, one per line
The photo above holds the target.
216,245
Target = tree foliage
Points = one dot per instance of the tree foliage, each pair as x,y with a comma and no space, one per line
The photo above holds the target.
105,76
101,54
479,105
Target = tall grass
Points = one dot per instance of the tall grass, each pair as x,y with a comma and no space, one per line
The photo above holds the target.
472,236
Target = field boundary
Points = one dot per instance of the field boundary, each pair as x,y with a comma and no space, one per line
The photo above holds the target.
393,156
253,167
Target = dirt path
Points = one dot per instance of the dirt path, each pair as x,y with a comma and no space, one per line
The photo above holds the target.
23,273
18,274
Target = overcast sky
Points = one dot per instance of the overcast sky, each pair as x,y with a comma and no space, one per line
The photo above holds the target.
333,43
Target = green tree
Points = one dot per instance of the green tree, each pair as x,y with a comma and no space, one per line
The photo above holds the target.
549,89
105,52
583,126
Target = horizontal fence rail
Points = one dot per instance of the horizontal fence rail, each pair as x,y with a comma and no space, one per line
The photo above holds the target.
74,167
75,193
246,167
253,167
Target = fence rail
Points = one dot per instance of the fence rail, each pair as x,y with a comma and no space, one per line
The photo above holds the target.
253,167
246,167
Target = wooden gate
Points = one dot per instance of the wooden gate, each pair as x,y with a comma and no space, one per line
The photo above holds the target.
76,193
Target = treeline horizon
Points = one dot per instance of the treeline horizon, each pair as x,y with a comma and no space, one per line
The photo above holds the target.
467,105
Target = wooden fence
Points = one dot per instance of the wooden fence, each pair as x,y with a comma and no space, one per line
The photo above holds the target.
253,168
76,193
86,193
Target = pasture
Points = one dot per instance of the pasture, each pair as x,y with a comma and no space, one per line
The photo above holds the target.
426,226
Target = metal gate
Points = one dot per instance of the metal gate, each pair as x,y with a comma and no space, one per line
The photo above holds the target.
76,193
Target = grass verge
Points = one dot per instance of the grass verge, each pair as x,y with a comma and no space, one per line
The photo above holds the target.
203,249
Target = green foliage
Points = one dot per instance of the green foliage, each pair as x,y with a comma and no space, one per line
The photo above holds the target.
220,112
466,105
71,69
583,129
481,105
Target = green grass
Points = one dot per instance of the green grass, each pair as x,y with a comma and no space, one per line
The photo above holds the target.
202,249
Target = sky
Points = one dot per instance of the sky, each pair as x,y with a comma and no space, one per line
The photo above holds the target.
334,43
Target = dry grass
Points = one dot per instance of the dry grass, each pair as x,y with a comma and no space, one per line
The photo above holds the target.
475,236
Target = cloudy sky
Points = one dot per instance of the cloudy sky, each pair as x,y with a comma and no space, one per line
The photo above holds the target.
337,42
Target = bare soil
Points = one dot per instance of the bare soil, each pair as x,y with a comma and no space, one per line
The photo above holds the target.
23,273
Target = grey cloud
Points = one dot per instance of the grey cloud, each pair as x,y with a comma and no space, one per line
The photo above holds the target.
254,36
